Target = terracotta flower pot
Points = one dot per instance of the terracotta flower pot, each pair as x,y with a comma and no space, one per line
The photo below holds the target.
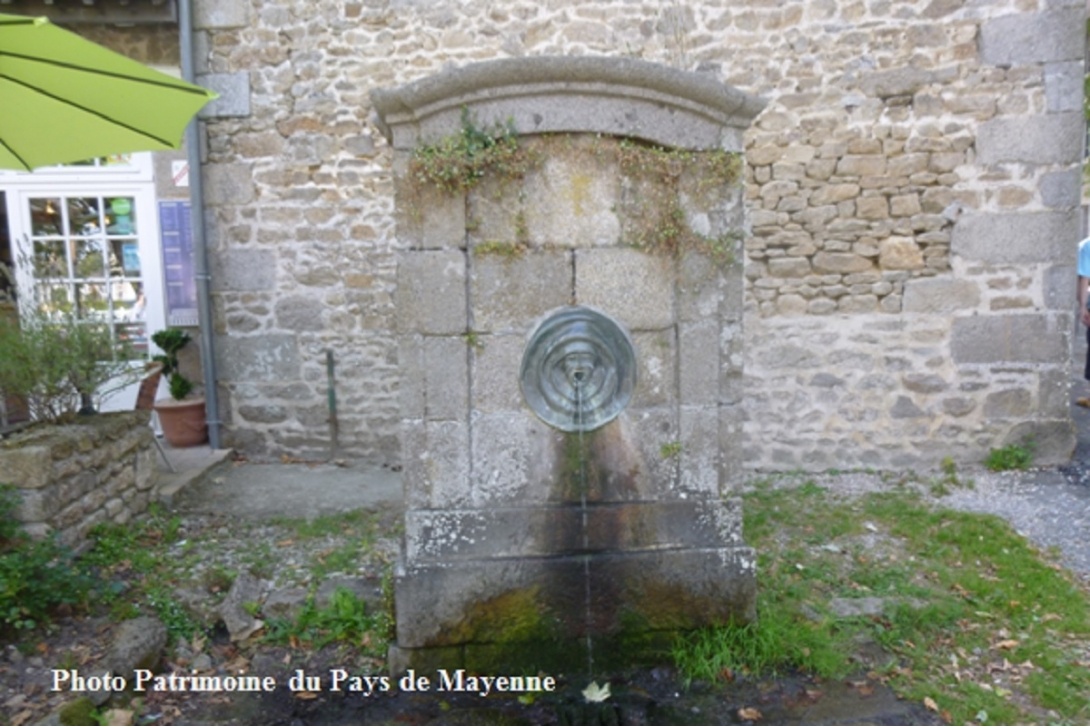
183,422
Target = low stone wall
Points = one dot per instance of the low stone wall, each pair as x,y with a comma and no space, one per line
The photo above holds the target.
71,477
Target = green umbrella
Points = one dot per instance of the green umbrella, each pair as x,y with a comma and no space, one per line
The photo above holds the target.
65,99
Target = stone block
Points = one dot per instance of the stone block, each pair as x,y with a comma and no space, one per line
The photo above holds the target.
1008,404
655,434
1025,38
789,267
549,530
1013,238
840,262
27,466
572,199
412,382
699,287
1057,287
268,357
497,361
227,184
234,95
514,459
445,461
732,455
1053,440
435,603
861,165
299,312
698,363
899,253
221,14
510,292
698,459
446,388
1032,139
1064,86
427,218
1024,338
940,295
630,286
242,269
431,292
1061,190
656,366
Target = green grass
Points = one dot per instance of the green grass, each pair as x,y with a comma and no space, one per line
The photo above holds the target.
976,619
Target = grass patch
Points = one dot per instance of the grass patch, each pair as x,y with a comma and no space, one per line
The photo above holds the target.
973,618
1011,457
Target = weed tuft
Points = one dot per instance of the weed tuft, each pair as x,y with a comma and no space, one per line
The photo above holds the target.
1010,457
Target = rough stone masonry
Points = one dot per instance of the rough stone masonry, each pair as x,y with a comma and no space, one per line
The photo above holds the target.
912,191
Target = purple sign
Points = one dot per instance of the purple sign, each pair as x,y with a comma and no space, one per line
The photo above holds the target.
176,237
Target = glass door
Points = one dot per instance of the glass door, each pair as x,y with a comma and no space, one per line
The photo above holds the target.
92,254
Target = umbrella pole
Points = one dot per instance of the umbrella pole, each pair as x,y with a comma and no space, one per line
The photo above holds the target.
200,247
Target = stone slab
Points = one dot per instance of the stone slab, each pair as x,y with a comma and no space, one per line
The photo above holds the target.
1024,338
443,604
431,292
631,286
546,530
1012,238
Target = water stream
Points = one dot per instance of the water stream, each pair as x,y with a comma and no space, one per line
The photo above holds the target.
588,638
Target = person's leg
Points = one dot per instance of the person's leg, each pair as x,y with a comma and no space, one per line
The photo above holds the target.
1083,400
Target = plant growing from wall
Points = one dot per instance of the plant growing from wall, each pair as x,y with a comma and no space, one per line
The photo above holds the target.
461,161
656,180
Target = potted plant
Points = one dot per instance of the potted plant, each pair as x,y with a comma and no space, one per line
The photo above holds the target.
182,419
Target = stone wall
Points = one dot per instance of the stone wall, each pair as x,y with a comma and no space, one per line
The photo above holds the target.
912,191
71,477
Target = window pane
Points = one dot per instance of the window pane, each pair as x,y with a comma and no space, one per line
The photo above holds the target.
84,216
87,259
49,259
91,301
45,216
121,217
124,258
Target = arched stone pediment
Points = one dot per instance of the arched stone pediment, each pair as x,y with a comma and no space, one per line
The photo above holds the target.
557,94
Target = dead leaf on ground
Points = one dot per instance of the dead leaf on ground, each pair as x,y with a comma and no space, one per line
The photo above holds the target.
1006,644
750,714
305,695
930,704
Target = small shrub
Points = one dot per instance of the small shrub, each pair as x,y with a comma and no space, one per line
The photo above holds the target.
344,620
171,341
36,576
1011,457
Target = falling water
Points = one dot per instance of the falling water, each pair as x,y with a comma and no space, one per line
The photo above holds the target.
578,382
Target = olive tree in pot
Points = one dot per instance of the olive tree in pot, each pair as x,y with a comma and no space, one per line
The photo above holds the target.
182,419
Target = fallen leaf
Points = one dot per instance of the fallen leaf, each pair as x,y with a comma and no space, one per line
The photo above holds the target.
930,704
1006,644
284,543
118,717
749,713
595,693
304,695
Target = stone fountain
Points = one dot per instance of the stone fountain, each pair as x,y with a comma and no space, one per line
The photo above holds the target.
569,332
